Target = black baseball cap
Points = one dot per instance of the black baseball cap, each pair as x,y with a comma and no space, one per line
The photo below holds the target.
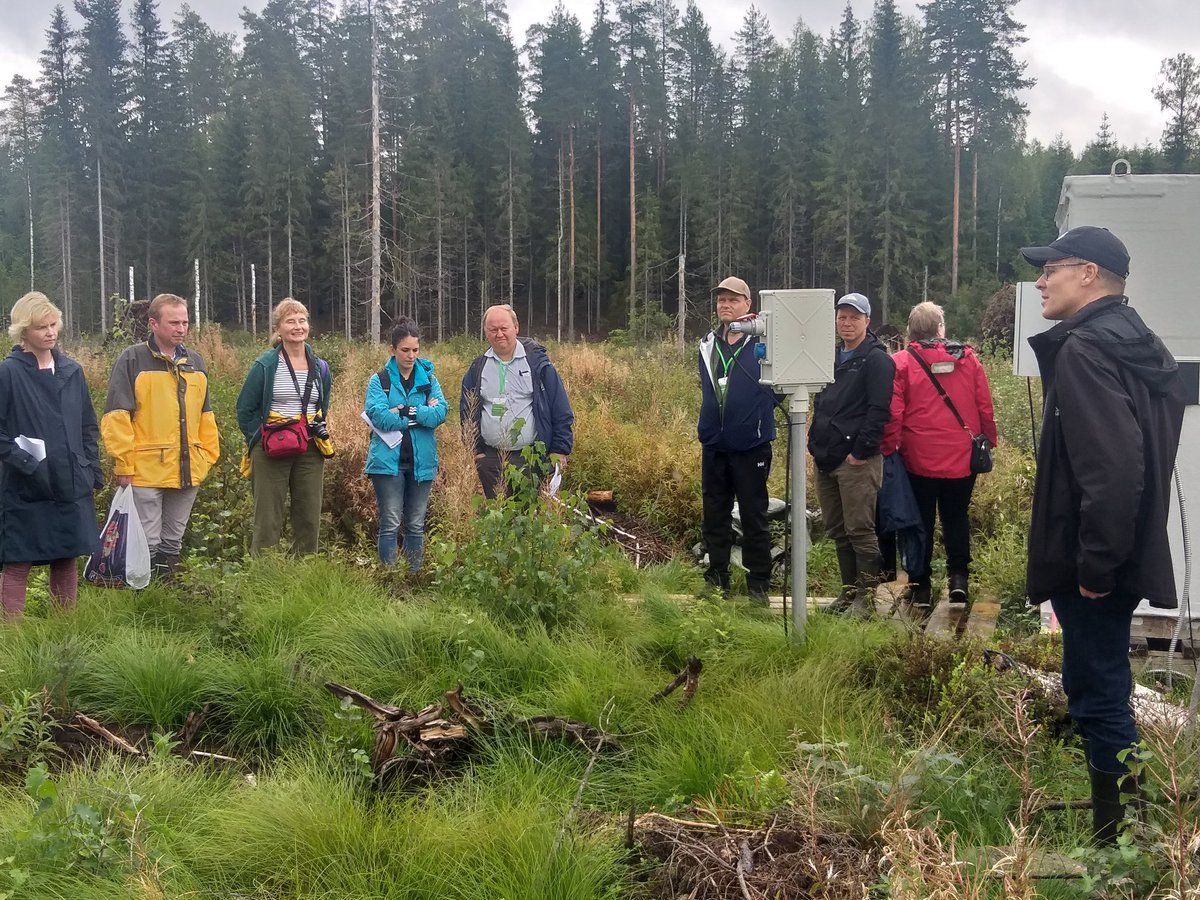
1087,242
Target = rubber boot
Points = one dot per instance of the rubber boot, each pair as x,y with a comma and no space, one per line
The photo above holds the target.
848,568
863,606
958,587
715,584
170,567
757,590
1107,810
920,598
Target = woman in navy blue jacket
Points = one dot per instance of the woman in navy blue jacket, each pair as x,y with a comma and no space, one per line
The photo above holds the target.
404,404
49,459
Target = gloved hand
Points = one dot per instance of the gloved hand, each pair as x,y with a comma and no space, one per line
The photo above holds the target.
411,413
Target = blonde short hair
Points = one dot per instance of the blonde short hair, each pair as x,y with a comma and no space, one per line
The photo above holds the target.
924,321
155,311
284,308
507,307
32,309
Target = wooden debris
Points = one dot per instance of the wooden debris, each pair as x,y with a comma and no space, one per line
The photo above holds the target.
421,745
690,674
86,723
191,727
782,859
379,710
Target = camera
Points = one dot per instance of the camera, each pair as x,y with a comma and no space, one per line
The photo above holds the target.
318,429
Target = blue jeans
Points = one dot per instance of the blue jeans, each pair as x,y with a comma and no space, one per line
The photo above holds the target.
1096,674
402,503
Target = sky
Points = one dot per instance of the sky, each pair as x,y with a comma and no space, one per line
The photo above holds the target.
1089,57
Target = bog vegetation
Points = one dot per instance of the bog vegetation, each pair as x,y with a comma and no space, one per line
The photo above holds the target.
887,757
593,174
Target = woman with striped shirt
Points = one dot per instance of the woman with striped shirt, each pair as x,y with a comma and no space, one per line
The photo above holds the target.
286,390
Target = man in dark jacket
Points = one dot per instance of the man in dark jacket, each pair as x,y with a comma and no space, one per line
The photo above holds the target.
513,398
736,427
847,424
1113,402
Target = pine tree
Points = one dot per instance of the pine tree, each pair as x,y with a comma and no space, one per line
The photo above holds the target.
1178,92
842,190
62,155
900,144
19,128
104,106
156,148
976,82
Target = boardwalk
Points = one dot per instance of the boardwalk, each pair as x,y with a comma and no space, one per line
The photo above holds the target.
976,618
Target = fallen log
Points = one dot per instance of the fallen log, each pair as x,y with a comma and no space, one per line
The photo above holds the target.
1148,707
379,710
412,745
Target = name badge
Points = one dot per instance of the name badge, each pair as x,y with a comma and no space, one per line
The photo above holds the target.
942,368
498,409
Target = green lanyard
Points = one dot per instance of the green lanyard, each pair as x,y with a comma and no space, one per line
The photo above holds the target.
727,364
722,384
503,368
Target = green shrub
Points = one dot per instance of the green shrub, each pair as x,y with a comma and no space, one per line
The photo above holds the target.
528,560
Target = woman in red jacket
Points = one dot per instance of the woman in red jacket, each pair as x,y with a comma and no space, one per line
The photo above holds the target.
935,447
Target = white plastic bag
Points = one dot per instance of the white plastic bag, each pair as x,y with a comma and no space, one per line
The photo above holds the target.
123,559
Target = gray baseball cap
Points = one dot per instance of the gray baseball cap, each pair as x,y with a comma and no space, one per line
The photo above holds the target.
856,301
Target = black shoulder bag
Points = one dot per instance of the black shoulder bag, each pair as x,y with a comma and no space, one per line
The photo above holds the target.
981,450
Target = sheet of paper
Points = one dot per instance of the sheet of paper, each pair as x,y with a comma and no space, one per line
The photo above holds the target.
391,438
555,481
35,447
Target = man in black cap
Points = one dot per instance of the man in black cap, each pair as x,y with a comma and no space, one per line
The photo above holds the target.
847,424
1113,410
736,427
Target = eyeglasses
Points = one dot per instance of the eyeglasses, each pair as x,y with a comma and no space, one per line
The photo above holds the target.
1047,271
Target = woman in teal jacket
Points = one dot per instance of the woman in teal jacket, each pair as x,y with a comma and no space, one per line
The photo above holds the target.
404,404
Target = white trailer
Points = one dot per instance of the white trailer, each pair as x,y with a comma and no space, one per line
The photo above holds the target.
1158,218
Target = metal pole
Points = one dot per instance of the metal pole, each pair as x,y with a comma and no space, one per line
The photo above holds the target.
798,419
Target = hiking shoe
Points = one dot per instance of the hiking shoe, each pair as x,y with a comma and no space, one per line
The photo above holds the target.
758,596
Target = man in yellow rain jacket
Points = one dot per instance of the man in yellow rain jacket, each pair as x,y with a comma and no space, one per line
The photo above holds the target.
160,430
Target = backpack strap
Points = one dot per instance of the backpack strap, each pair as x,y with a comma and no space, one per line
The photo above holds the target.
941,390
385,380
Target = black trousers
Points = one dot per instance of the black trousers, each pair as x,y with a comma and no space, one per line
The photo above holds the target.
492,467
950,499
725,477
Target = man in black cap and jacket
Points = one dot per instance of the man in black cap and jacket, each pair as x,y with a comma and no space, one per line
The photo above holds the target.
1113,411
847,424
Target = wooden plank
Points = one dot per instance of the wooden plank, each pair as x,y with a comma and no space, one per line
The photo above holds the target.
1042,864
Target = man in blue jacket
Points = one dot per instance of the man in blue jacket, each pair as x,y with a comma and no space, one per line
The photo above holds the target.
512,398
736,427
